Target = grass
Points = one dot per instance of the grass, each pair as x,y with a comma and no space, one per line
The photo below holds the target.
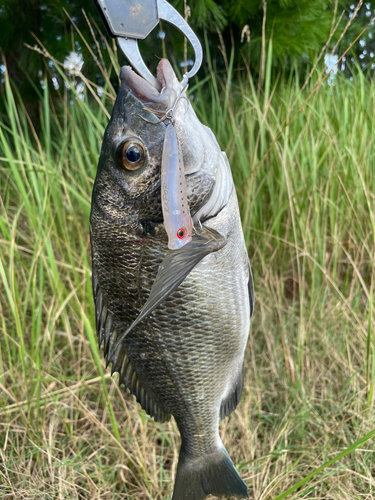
305,174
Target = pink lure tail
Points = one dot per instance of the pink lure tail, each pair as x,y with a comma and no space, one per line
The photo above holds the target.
177,221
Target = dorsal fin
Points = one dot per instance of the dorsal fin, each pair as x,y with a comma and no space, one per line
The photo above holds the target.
230,403
119,359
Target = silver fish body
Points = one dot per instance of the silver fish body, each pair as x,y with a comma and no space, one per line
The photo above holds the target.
185,355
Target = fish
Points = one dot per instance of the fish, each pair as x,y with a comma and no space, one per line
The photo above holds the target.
173,322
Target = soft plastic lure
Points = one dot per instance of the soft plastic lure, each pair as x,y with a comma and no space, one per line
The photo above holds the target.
177,221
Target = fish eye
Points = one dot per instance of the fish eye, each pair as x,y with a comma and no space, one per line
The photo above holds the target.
130,154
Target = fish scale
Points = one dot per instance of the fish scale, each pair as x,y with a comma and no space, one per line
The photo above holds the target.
174,322
203,343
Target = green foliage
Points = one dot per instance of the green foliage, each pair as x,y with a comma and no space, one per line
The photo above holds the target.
204,14
21,22
298,29
20,18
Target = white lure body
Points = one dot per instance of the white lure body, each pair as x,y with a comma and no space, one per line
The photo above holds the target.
177,221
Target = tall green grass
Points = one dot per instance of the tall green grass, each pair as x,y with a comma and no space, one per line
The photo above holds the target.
305,178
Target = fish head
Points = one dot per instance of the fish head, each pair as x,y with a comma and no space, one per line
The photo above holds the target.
128,179
127,184
198,143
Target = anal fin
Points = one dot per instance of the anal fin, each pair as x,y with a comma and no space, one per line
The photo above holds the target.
230,403
130,380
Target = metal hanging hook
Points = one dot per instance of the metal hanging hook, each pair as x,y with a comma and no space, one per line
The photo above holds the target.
133,20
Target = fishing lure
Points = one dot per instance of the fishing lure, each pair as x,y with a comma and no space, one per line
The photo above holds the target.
177,220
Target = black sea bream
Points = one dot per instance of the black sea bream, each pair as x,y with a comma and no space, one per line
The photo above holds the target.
184,355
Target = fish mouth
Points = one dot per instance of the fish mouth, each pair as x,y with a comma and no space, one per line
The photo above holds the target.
144,91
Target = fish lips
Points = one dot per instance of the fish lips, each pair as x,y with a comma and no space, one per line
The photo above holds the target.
159,99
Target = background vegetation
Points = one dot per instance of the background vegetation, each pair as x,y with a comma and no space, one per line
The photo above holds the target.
302,154
299,30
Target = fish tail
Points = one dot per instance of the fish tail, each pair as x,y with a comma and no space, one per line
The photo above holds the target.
212,474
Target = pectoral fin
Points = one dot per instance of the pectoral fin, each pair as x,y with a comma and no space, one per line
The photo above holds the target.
176,265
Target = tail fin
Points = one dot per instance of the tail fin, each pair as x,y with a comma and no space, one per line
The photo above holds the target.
212,474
